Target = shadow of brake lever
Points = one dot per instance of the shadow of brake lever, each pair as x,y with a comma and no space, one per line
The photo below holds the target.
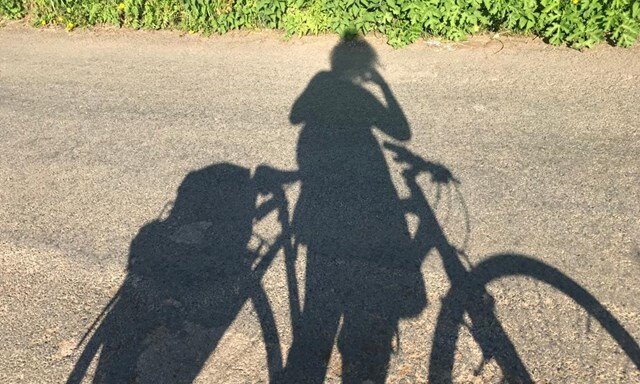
439,173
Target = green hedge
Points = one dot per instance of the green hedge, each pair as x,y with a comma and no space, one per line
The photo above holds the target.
577,23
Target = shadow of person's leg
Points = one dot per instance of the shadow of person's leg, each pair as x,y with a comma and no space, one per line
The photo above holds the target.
365,346
313,339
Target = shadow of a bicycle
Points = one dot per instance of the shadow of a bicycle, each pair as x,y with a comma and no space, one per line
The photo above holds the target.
191,272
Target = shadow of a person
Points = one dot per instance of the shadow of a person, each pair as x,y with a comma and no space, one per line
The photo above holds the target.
188,277
363,270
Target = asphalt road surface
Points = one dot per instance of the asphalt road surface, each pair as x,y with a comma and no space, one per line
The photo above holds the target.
133,166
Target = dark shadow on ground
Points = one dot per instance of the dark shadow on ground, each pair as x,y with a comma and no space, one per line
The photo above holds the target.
188,276
190,273
362,267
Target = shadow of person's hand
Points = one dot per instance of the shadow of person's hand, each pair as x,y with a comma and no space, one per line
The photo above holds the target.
269,179
439,173
373,76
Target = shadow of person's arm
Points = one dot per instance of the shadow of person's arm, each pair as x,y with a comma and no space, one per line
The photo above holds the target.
272,181
297,116
310,97
391,119
429,232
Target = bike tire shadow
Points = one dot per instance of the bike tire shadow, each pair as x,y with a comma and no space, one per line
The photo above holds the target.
190,273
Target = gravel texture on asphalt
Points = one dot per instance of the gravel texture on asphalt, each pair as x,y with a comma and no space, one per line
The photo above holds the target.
101,128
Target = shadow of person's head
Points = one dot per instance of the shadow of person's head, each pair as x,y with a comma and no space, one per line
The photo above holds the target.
354,59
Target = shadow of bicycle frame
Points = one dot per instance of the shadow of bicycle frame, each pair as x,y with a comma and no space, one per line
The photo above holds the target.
191,272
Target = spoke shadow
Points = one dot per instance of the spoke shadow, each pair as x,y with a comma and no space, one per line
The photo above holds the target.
468,292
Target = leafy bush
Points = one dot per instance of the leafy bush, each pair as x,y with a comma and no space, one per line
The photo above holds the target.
577,23
11,9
